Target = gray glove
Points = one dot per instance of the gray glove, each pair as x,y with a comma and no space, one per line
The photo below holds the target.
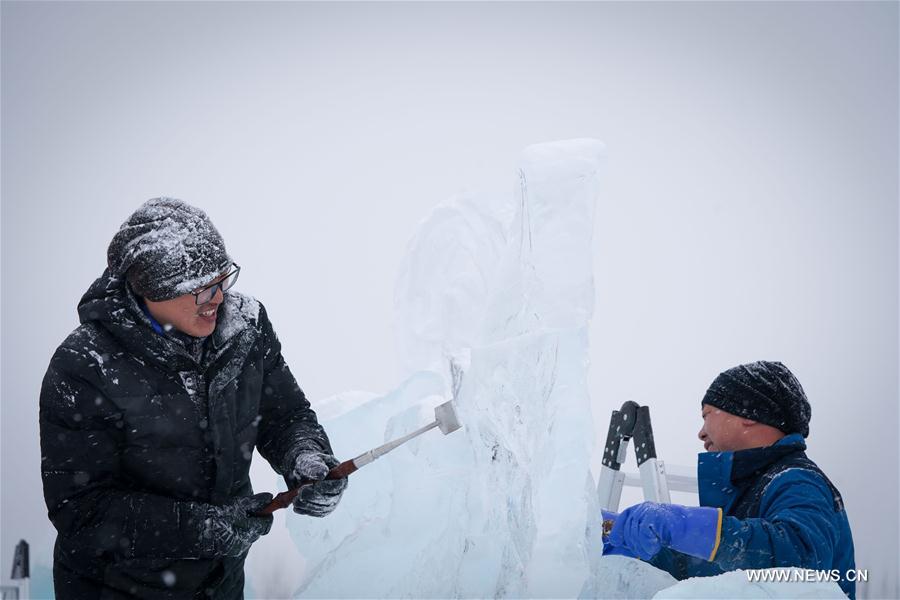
230,530
320,498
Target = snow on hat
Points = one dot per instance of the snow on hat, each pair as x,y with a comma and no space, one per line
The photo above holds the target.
167,248
766,392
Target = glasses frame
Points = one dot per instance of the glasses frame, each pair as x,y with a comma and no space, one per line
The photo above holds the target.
219,284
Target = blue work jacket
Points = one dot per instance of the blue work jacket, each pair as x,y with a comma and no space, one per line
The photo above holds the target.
780,511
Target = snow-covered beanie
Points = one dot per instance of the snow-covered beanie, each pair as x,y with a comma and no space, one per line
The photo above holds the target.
167,248
764,391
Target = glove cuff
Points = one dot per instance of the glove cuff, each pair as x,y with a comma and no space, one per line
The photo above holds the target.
196,522
266,524
700,533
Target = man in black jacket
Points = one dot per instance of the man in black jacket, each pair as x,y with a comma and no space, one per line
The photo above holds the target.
149,414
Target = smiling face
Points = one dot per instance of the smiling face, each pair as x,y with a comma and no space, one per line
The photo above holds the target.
184,314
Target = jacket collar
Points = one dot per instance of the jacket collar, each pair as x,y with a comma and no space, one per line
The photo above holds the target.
721,476
153,322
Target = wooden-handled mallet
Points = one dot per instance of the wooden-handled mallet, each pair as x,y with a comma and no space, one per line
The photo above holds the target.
445,419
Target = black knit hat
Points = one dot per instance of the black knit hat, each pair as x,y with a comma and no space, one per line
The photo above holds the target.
167,248
766,392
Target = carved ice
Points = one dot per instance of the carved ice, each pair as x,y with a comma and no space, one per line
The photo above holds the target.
492,305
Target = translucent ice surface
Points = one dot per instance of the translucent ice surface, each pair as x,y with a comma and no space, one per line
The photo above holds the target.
492,307
624,578
620,577
735,585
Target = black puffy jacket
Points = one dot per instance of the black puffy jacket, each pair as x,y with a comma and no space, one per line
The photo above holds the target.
138,428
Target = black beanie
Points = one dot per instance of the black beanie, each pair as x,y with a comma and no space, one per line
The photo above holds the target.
167,248
766,392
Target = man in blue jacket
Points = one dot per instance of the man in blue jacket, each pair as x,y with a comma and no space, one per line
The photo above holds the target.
763,502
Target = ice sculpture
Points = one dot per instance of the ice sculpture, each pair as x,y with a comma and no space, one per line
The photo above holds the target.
492,305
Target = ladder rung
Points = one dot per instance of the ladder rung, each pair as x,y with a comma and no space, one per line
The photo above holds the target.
676,477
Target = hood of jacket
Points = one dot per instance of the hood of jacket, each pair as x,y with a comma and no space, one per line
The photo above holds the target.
109,303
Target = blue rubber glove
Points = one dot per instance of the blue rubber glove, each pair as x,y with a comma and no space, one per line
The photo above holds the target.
608,548
648,527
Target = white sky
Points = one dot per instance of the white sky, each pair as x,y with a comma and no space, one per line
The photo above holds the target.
750,210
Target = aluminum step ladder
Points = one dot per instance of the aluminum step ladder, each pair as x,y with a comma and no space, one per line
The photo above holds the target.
17,588
633,421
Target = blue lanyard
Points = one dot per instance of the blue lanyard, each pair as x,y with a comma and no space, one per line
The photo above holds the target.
153,322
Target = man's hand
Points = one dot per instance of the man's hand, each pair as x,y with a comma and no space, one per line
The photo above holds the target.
320,498
646,528
230,529
608,548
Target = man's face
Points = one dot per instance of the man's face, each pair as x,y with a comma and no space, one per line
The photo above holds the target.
723,431
184,314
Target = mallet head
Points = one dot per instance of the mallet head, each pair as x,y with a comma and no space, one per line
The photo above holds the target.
445,415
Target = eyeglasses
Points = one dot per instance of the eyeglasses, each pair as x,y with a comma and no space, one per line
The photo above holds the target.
206,294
